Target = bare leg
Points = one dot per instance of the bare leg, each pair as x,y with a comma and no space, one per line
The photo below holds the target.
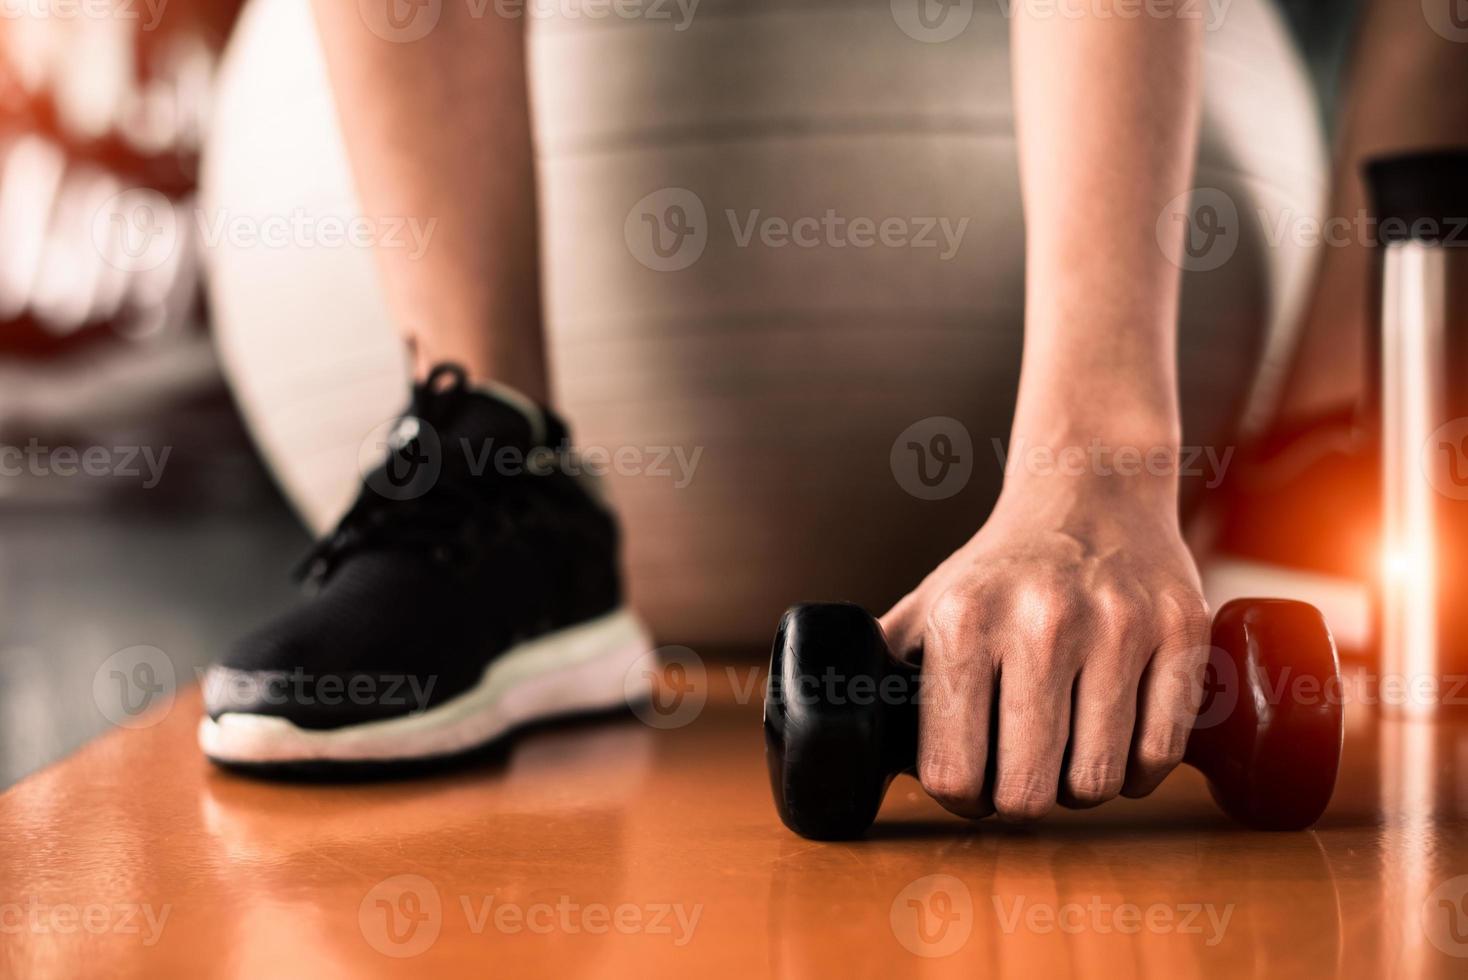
438,129
1404,92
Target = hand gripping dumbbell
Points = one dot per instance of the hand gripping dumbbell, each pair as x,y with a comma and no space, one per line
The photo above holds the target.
841,717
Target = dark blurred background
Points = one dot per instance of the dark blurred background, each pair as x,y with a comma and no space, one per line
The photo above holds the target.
95,354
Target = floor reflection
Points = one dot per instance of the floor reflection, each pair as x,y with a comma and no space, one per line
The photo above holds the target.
611,847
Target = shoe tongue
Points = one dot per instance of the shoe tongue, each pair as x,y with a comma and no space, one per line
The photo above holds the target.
531,420
480,415
486,418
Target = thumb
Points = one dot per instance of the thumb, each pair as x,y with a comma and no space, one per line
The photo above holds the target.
904,624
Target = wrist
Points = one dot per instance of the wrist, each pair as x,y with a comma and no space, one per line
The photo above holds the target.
1105,438
1106,378
1132,468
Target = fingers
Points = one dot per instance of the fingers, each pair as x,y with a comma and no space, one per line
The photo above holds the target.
906,623
954,716
1105,712
1034,717
1022,651
1105,704
1072,693
1168,694
1036,678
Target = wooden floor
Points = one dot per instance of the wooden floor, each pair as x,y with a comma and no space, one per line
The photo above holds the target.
618,849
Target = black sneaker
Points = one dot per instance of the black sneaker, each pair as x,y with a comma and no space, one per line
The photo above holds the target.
473,587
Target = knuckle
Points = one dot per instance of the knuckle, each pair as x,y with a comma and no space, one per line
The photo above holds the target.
1179,687
1185,615
1111,601
1117,611
953,614
1024,795
1160,752
1043,610
951,785
1095,782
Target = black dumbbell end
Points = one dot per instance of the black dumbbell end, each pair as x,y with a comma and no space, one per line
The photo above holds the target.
825,724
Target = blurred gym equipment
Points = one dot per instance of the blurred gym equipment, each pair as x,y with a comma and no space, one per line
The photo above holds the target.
100,113
1419,413
102,117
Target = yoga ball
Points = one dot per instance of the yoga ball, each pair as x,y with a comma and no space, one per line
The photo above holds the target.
783,277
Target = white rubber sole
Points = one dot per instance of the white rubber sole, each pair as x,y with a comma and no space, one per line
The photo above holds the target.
582,668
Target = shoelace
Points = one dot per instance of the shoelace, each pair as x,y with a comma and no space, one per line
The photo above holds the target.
451,521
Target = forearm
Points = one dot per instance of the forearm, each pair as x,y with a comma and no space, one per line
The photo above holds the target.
1107,111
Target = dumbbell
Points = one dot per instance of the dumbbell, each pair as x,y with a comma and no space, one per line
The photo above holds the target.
841,717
